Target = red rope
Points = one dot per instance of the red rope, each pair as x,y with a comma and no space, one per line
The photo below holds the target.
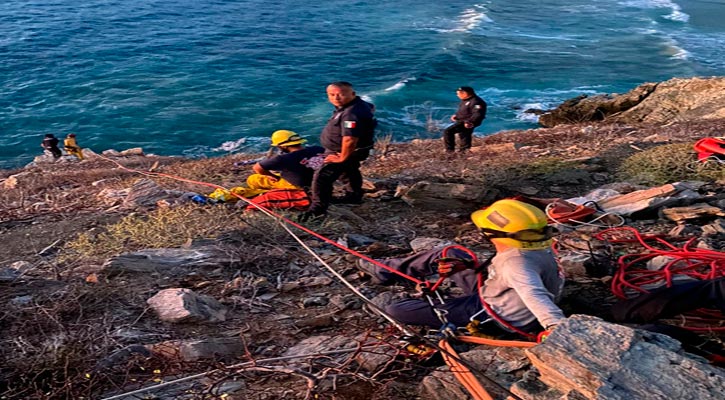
685,261
490,311
497,317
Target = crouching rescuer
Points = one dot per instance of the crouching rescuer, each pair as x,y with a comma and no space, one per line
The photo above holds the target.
521,285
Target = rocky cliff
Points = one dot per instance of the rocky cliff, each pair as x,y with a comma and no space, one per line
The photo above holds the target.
675,100
112,281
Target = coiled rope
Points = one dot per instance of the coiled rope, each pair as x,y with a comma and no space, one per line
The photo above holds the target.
684,262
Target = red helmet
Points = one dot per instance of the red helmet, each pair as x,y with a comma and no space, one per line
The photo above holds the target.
71,135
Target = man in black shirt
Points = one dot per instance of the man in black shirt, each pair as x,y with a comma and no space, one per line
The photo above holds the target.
50,143
295,166
348,138
471,113
291,170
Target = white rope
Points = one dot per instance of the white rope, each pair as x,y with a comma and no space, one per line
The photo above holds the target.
281,220
342,279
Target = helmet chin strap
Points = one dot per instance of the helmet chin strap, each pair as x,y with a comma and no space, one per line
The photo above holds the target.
546,234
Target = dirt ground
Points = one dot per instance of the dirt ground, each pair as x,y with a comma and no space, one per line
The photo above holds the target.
35,226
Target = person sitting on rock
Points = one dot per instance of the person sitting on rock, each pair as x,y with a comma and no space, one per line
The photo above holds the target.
71,147
522,283
292,169
50,144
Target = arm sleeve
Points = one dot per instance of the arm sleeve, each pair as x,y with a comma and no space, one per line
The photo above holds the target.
530,288
351,125
478,113
272,163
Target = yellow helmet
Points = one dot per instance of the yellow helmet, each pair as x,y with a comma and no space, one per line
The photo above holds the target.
514,223
282,138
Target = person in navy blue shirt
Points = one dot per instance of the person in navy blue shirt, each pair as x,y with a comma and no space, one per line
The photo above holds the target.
296,164
348,138
470,114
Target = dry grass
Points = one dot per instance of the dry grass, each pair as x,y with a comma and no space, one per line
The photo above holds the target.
75,323
164,228
668,163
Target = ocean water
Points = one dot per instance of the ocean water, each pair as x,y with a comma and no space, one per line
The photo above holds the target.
210,77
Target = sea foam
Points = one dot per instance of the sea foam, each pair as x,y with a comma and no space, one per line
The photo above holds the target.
676,13
399,85
469,20
232,145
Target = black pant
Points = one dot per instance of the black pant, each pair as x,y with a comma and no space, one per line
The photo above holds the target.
667,302
347,171
465,135
419,311
54,151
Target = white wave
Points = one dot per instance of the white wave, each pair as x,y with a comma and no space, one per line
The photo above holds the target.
367,97
522,115
370,97
557,37
672,47
399,85
231,146
676,13
468,20
534,93
673,50
678,16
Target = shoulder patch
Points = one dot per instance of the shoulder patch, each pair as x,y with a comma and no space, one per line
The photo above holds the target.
350,124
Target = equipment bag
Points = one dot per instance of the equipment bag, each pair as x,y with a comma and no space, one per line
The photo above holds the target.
709,148
560,210
282,199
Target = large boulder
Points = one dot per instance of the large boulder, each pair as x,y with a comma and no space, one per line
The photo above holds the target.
184,305
588,358
447,196
227,348
147,193
172,261
653,103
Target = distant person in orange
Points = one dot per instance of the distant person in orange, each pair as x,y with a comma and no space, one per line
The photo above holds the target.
71,147
50,144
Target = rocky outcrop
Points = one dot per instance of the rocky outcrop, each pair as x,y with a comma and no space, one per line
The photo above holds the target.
587,358
168,261
446,196
675,100
593,359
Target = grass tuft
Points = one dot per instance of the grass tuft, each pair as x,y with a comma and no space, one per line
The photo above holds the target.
668,163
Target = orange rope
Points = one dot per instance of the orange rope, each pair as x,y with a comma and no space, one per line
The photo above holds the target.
463,374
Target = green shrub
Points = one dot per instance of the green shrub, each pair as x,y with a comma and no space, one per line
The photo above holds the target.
666,164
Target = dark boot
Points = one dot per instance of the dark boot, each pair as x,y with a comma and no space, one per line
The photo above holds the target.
348,198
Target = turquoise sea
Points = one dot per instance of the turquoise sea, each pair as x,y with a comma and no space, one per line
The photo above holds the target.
209,77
